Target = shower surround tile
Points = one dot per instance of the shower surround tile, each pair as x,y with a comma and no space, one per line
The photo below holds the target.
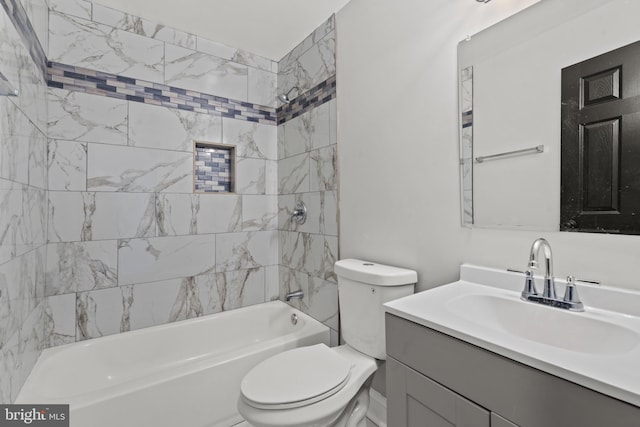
156,127
252,140
259,213
312,67
262,87
318,95
60,320
193,70
18,288
162,302
77,8
18,67
84,117
132,169
143,27
132,307
307,131
174,293
320,301
67,165
37,159
240,288
15,132
137,90
323,169
21,221
103,312
237,251
75,216
312,254
80,42
329,213
251,176
318,34
188,214
76,267
161,258
293,174
11,364
37,12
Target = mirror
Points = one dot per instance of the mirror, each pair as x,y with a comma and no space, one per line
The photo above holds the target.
510,100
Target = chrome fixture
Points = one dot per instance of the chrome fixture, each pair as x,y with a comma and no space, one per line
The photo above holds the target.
549,284
284,97
294,319
548,297
295,294
571,294
533,150
299,214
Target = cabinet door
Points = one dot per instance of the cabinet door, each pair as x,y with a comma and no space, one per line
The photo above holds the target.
416,401
498,421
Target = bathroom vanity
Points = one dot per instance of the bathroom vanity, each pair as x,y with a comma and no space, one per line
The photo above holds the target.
451,363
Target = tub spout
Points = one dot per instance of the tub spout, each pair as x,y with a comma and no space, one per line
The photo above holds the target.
294,294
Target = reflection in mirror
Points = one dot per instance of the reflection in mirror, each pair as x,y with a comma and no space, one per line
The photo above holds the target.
510,99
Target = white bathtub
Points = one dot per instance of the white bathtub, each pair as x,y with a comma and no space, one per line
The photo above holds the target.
183,374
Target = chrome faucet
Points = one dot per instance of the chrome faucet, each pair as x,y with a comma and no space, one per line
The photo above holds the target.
549,283
295,294
548,297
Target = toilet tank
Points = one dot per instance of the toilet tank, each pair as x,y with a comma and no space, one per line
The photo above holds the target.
363,287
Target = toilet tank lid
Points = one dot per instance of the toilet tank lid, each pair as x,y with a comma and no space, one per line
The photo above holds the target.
374,273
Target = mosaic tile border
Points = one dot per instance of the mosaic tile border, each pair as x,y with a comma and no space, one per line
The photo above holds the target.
21,22
115,86
314,97
214,168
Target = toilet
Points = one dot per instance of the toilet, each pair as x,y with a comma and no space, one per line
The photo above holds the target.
322,386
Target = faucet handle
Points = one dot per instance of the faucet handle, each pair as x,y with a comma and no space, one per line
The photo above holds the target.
529,285
571,295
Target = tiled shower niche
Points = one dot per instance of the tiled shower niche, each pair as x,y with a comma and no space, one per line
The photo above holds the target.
214,168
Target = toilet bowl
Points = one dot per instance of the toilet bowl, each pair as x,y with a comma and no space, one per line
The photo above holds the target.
308,386
322,386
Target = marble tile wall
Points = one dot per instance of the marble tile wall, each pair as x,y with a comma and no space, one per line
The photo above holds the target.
102,232
307,155
23,202
91,36
129,239
130,244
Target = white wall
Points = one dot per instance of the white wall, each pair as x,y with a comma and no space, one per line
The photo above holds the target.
398,149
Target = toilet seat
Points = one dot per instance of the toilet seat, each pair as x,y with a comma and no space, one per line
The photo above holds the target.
295,378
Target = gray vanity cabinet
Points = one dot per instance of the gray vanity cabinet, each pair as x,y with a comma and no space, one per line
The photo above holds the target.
418,401
435,380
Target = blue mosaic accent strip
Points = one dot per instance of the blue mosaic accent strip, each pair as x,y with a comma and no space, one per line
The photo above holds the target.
116,86
467,119
314,97
213,169
21,22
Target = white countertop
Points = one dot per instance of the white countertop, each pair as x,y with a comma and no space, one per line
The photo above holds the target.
610,368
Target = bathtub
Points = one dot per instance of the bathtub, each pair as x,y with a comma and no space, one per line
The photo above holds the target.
183,374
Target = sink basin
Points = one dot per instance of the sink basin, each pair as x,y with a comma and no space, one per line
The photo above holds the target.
598,348
546,325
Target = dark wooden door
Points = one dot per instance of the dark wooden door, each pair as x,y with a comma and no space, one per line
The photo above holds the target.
600,148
